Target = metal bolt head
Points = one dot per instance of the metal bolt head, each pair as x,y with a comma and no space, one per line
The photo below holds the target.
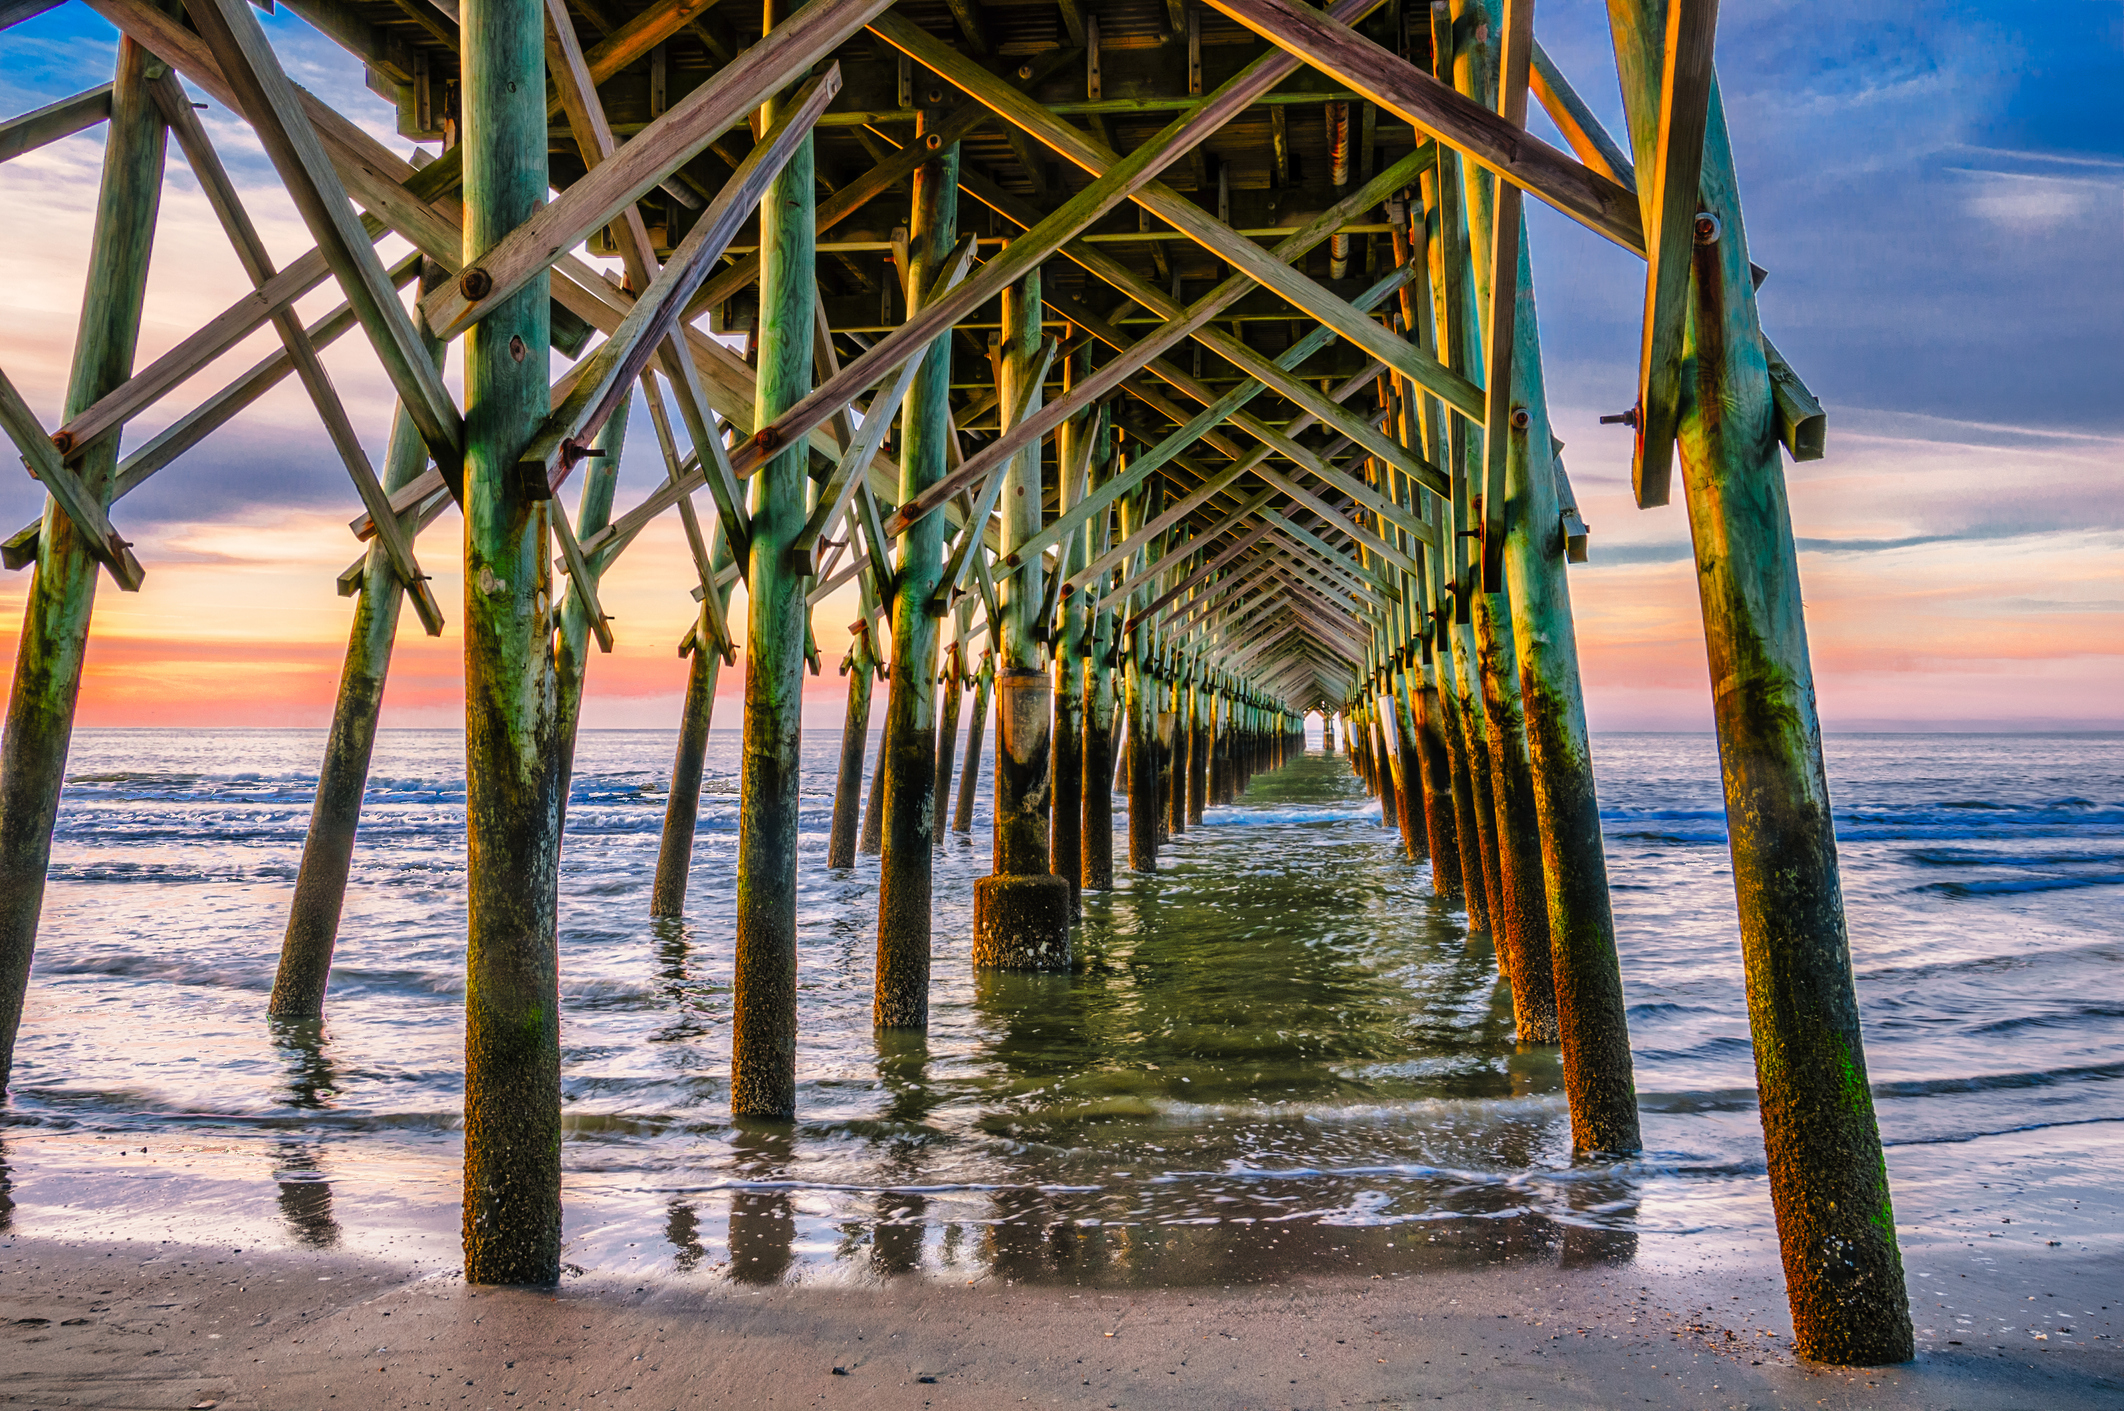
475,284
934,141
1520,419
1707,228
936,95
1025,71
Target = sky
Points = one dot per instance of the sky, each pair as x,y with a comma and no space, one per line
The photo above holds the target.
1937,190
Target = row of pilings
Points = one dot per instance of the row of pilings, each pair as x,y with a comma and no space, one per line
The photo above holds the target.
1473,754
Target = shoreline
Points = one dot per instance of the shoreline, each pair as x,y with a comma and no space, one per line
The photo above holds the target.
92,1323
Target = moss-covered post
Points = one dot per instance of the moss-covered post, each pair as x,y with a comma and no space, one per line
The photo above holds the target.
872,839
1096,873
860,667
1198,746
970,776
907,765
1828,1181
951,678
1593,1025
682,800
343,776
763,987
512,717
62,589
1074,440
1021,910
571,646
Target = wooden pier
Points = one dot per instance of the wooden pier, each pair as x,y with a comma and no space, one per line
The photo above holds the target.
1159,372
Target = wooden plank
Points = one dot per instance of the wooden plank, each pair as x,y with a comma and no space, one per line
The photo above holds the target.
29,131
75,499
671,140
1430,106
1575,119
1671,203
269,101
1514,59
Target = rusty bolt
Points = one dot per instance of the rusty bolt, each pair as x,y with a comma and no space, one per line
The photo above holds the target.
934,141
766,438
475,284
1520,419
62,442
1025,71
1707,228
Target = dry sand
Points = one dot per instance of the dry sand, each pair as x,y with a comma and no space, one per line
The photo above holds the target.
145,1325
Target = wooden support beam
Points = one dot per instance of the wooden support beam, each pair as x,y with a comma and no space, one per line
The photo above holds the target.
1127,175
270,103
1578,123
1191,321
671,140
1331,46
29,131
1514,58
1674,227
1183,215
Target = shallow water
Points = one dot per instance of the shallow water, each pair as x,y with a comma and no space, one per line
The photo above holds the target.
1281,1055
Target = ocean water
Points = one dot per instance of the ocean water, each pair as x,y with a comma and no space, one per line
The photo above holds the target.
1279,1056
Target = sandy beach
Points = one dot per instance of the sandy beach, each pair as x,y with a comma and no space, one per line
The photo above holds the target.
91,1324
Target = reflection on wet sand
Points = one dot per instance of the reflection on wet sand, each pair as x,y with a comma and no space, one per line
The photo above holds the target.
762,1222
901,1224
305,1194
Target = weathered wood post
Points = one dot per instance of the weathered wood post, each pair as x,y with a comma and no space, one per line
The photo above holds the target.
1521,929
1172,771
970,776
871,842
62,589
1828,1180
908,763
1075,439
682,801
343,775
1097,871
512,747
1197,695
952,678
1021,910
1415,837
571,647
763,985
860,667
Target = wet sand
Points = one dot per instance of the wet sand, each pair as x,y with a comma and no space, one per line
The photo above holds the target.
167,1325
